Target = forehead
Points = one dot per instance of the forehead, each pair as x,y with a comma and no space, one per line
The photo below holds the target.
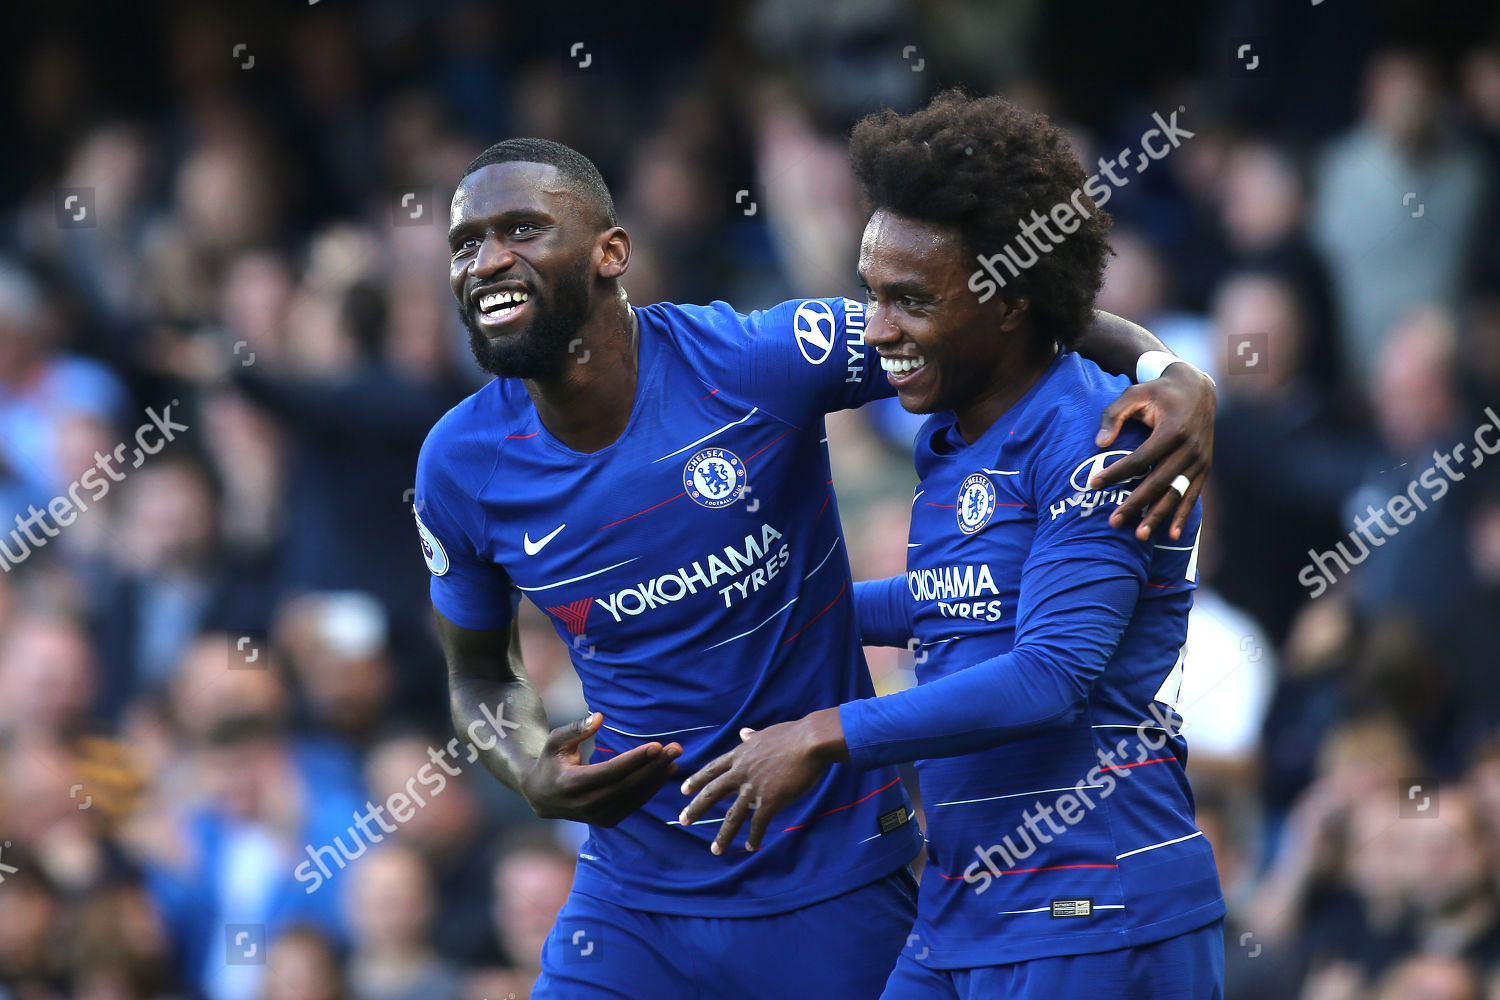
516,186
896,243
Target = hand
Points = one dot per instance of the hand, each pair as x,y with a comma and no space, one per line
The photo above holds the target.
561,786
767,772
1179,407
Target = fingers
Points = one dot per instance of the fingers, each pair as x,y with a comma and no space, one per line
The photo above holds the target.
1156,448
1185,507
746,733
706,789
1164,500
733,820
620,768
758,824
566,738
1125,406
624,797
1145,494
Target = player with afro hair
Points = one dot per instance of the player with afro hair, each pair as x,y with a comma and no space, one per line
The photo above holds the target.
995,173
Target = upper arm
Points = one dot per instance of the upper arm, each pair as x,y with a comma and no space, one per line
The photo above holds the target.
468,588
1082,577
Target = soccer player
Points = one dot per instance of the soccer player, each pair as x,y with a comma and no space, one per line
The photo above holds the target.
1062,858
657,480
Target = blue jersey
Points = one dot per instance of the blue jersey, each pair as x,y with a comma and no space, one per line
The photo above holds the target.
697,571
1059,815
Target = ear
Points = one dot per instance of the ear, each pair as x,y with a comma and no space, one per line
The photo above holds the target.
614,253
1015,313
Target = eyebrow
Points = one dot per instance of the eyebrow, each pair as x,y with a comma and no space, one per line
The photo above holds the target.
901,286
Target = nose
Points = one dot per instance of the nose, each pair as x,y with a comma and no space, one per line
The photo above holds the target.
494,255
880,328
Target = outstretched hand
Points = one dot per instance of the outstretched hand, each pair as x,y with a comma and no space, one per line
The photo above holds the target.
1179,408
562,786
767,772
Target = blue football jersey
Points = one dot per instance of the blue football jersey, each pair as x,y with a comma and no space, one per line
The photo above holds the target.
1059,817
697,570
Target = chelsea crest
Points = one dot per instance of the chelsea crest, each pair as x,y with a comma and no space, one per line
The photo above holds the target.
714,477
976,503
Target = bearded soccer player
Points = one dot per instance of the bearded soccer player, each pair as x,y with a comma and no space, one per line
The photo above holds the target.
656,479
1062,855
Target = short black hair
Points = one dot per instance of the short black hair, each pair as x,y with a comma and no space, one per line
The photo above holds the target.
982,166
582,177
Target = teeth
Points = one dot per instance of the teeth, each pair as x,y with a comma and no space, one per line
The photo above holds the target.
497,300
900,365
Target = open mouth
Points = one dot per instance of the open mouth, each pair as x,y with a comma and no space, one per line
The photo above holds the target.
900,371
500,308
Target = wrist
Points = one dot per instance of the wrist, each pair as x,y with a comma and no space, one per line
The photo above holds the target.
1154,364
825,733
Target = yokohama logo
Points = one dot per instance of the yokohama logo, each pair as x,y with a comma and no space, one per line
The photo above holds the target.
574,615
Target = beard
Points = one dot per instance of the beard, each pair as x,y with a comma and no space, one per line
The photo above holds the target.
540,350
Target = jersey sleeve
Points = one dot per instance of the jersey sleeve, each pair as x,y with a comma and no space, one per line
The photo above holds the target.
883,608
468,589
798,360
1079,587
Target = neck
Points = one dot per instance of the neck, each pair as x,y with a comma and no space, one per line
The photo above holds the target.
1012,378
587,405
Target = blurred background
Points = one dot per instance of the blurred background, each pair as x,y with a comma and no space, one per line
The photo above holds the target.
222,237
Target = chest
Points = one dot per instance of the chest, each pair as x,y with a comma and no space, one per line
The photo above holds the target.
693,513
970,531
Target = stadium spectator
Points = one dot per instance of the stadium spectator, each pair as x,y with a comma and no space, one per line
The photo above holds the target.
390,908
1395,204
189,696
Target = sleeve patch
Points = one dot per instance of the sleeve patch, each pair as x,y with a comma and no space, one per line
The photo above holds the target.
432,549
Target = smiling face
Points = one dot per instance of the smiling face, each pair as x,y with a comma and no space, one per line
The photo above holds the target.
940,346
523,266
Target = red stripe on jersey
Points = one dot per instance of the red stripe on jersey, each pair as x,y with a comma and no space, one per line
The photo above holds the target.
1017,871
764,447
640,512
574,615
888,784
1143,763
820,614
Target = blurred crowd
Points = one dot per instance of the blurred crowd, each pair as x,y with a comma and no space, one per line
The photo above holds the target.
217,655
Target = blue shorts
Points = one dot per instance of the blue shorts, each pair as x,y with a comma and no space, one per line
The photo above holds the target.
843,947
1186,967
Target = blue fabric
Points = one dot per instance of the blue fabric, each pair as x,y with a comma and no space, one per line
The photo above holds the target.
189,898
696,570
1189,966
842,947
884,612
1047,639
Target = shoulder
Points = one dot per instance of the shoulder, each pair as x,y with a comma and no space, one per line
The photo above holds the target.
1067,415
466,440
1075,395
806,324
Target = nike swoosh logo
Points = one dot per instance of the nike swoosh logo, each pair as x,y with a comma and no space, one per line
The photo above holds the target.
532,548
1002,472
